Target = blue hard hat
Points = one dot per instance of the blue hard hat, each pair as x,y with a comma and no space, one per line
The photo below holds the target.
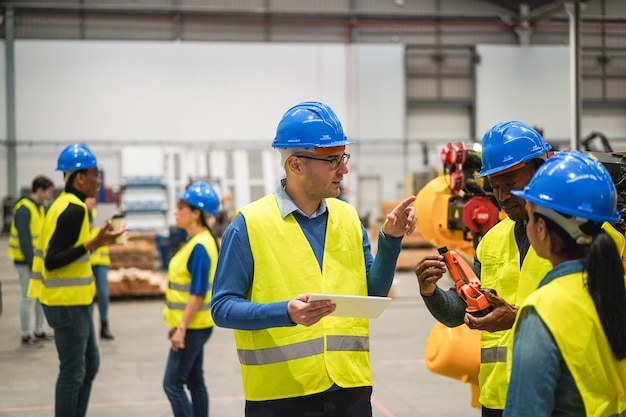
201,196
509,143
76,156
574,184
310,124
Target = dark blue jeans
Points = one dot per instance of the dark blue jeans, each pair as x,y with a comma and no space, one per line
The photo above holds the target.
102,287
343,402
79,358
185,368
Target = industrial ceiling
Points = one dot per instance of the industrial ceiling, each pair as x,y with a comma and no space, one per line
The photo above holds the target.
439,36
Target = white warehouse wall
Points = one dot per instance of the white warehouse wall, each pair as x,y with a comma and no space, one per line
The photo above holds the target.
169,91
530,84
112,94
379,99
188,95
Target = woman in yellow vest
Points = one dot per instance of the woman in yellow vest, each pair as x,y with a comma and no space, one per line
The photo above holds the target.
100,261
569,349
188,297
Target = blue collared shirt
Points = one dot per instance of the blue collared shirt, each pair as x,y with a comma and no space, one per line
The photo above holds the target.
286,206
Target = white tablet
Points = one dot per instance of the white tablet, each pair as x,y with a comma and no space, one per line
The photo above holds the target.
354,305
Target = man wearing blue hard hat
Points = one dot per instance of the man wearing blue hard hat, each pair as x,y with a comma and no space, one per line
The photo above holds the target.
569,347
63,279
511,153
296,360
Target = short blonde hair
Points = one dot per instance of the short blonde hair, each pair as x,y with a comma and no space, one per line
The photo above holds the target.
285,153
322,150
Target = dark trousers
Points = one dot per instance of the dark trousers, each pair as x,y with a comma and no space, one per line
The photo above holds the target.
79,357
345,402
185,368
491,412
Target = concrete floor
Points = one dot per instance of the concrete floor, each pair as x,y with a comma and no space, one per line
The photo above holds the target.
132,366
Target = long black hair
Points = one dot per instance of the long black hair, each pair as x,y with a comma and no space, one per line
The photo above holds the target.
204,220
606,286
605,277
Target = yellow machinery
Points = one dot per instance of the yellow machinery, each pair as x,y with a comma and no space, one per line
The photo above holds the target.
454,209
455,353
431,209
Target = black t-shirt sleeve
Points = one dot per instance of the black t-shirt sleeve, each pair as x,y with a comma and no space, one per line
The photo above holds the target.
61,251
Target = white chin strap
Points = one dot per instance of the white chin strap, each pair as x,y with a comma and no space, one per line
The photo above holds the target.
67,175
570,224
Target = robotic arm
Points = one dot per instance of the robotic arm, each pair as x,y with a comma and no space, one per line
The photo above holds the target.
466,282
454,209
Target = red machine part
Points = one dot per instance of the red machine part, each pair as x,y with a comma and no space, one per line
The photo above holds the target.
447,155
480,214
466,282
453,157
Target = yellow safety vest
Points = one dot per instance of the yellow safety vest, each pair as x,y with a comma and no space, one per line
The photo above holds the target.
568,311
36,221
72,284
101,256
179,281
287,362
500,269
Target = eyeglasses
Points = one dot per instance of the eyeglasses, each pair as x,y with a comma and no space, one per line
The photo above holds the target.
91,172
334,163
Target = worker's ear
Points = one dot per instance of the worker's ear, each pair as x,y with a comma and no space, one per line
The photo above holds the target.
540,226
542,229
79,179
294,164
197,214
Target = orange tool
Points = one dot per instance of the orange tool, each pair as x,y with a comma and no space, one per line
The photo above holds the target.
466,282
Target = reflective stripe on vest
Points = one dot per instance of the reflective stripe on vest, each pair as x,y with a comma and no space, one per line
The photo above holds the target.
293,361
34,283
16,246
302,350
500,269
83,258
14,238
181,306
179,283
67,282
346,343
182,287
36,277
494,354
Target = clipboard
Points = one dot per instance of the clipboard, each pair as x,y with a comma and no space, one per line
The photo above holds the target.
354,305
